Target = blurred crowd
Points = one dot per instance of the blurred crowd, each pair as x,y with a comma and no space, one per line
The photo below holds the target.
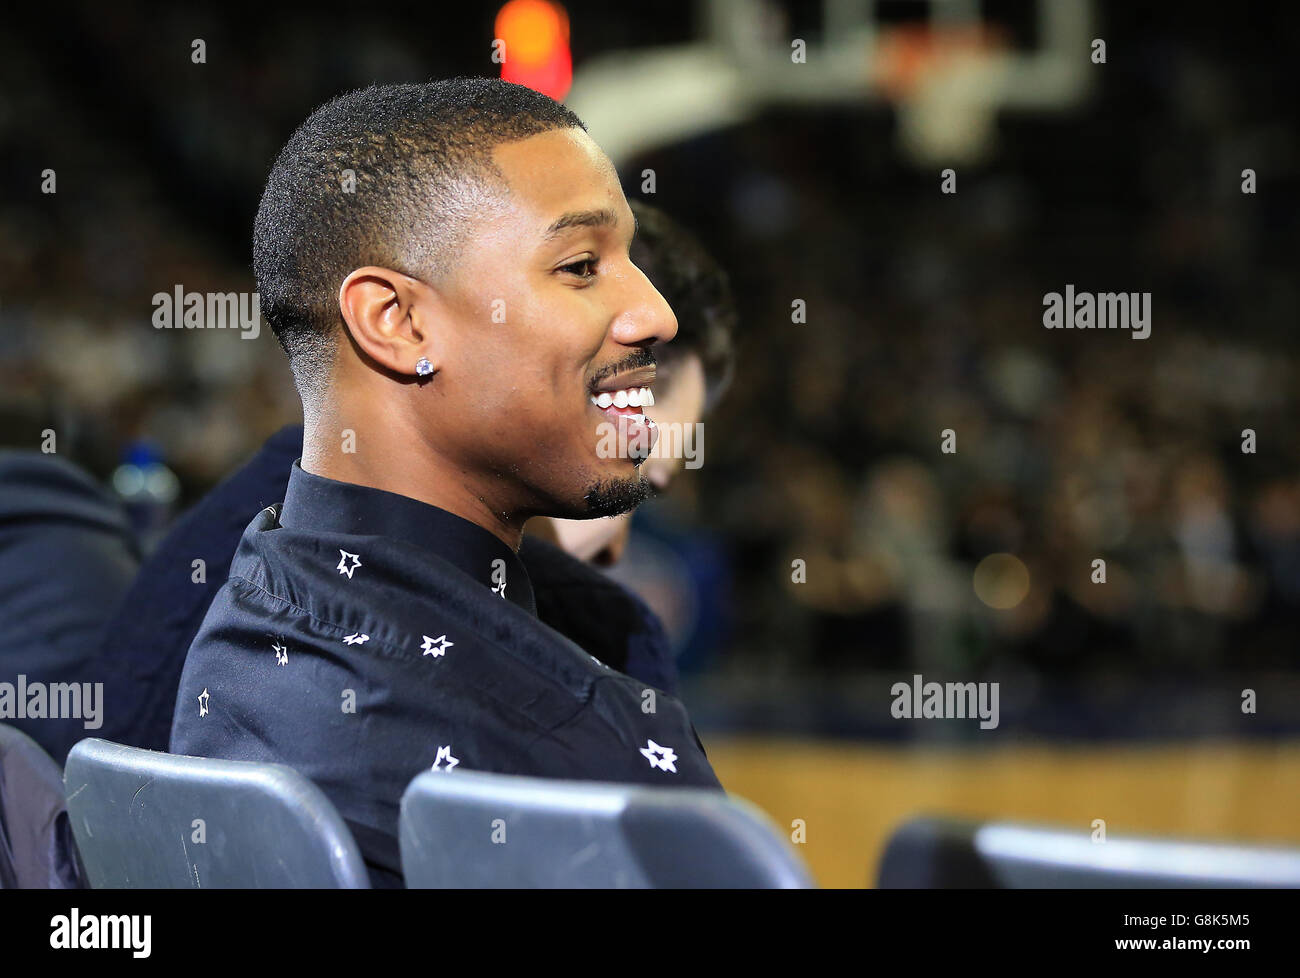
923,313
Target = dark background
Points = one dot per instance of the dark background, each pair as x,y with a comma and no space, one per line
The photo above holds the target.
924,313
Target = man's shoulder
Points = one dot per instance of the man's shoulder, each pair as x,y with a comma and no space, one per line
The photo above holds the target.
271,668
627,732
380,608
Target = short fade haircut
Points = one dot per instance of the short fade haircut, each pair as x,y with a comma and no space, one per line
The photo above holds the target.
697,289
416,153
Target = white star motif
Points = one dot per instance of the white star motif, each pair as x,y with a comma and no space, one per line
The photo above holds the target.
500,589
281,654
444,754
343,560
203,702
441,641
356,638
660,757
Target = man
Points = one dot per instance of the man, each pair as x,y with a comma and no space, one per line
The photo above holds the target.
452,327
153,626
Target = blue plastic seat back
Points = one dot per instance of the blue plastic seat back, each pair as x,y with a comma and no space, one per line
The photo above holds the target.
481,830
957,853
149,819
37,850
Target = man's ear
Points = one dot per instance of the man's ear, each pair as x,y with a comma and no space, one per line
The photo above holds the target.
389,316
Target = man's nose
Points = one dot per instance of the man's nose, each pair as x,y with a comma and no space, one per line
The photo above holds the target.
647,318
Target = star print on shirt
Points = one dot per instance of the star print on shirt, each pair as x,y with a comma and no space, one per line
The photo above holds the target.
344,568
663,758
444,754
356,638
203,702
441,641
281,654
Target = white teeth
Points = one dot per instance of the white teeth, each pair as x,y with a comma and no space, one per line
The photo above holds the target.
628,397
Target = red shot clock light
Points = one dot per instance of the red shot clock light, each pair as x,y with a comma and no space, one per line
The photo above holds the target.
535,34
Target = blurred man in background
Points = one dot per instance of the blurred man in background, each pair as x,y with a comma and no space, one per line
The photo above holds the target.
68,556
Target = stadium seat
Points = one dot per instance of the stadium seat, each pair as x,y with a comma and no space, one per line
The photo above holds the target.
948,853
148,819
478,830
37,850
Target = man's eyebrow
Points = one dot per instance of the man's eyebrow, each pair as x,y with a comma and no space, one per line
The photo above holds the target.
578,219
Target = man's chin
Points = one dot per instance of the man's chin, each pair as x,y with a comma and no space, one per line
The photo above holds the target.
610,497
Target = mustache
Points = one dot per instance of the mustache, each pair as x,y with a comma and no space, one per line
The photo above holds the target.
634,360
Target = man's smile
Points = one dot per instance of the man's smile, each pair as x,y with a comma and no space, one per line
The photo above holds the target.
622,399
625,398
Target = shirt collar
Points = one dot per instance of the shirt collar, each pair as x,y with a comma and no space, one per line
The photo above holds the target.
314,502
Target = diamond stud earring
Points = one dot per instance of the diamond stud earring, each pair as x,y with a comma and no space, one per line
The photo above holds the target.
423,368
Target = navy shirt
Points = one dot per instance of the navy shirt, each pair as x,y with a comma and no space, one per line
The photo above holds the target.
154,624
363,637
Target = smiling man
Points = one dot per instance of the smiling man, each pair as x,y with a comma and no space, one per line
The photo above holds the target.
447,266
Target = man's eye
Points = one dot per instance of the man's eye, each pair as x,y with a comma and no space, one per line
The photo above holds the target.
583,269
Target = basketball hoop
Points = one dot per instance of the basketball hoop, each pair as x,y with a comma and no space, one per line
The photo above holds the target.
946,83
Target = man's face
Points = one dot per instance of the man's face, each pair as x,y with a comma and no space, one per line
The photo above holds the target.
544,311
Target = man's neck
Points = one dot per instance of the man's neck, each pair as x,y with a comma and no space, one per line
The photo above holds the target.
389,461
